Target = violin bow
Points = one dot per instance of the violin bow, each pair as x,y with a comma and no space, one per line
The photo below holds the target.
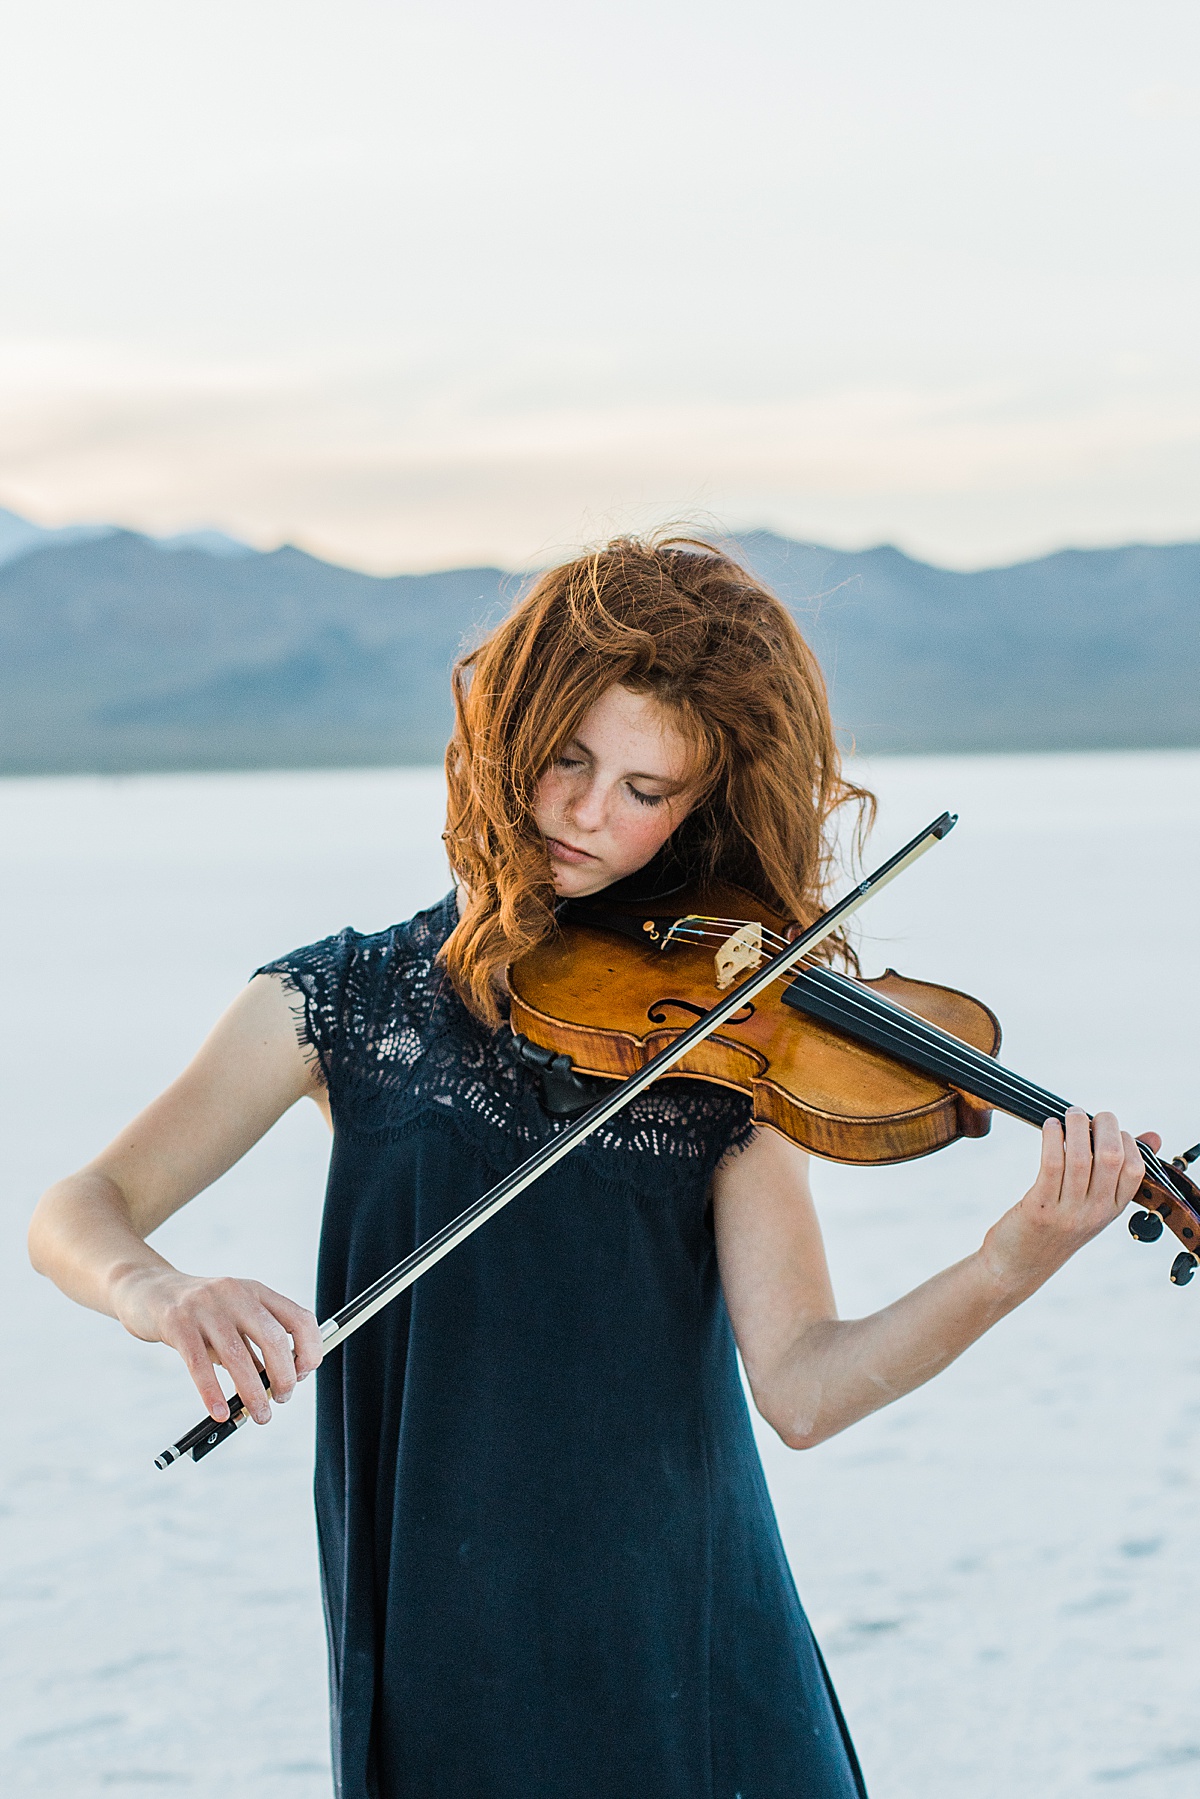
205,1436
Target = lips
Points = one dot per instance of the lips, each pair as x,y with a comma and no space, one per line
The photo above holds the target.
566,852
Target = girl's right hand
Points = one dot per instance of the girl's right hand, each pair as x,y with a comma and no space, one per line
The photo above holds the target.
238,1325
89,1230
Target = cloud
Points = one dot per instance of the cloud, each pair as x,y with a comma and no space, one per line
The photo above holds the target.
379,468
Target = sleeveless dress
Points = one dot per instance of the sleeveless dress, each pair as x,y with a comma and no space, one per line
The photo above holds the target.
549,1562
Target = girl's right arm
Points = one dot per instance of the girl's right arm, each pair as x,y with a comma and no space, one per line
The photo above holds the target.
89,1231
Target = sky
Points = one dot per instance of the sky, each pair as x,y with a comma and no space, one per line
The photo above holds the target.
425,284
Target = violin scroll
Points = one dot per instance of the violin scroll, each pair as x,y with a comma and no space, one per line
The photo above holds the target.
1172,1198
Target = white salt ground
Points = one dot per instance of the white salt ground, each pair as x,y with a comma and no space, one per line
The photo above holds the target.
998,1567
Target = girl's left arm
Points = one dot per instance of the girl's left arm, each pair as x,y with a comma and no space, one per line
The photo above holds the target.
812,1373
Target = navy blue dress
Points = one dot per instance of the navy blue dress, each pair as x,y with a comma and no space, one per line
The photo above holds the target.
550,1566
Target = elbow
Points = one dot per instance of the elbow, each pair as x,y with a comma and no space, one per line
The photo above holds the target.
801,1393
795,1436
38,1237
796,1426
44,1238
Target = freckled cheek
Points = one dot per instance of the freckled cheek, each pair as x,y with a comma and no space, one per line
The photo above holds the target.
641,837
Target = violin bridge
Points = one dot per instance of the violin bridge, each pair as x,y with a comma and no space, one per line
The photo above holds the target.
739,954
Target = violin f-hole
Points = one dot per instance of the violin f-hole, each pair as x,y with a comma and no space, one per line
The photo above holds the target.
656,1015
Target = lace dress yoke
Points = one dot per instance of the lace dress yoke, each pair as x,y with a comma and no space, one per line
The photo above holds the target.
393,1040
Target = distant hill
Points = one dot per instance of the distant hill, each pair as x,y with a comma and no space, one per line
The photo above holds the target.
18,536
120,653
1085,649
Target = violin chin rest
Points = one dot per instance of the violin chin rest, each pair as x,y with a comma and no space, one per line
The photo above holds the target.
565,1094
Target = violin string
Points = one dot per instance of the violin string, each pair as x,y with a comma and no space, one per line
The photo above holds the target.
921,1033
969,1061
977,1070
909,1028
917,1030
960,1058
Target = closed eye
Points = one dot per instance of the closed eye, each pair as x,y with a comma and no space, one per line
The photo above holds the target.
647,799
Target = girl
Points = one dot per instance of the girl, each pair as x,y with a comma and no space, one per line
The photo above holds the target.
549,1562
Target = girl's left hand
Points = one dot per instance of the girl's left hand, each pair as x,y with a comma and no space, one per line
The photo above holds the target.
1086,1179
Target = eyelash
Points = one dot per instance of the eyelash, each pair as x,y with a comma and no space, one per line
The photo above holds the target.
643,799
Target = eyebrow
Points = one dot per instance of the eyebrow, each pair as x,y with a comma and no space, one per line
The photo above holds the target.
577,743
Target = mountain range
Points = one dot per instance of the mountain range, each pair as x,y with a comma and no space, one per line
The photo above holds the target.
120,652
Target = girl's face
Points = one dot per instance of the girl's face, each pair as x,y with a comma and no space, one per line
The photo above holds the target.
615,792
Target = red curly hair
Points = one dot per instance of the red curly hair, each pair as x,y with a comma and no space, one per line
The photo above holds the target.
677,618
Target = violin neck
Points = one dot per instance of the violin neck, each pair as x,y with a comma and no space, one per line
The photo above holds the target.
853,1009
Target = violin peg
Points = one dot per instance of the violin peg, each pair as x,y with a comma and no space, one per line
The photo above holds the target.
1146,1227
1183,1268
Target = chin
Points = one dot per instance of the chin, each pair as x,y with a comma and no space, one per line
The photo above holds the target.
573,882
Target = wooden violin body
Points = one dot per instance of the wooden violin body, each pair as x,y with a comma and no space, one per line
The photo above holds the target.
611,1001
855,1070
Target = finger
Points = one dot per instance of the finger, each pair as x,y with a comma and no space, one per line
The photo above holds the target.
276,1349
1077,1155
1108,1159
234,1355
1050,1173
198,1361
1151,1139
1132,1174
301,1323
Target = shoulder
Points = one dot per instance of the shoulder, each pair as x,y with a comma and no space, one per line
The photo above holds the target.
353,986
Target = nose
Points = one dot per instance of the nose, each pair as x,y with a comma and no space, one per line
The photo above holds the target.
589,806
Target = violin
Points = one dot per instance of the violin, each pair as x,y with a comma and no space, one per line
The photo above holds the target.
859,1071
865,1071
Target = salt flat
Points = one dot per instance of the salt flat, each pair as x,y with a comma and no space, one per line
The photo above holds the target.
997,1567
